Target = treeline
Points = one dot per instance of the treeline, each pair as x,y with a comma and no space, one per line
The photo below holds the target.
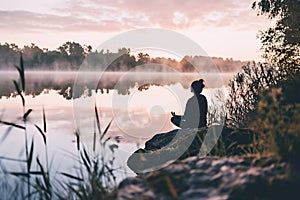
69,56
72,55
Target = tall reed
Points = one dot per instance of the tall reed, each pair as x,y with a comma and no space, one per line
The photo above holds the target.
96,175
94,178
29,148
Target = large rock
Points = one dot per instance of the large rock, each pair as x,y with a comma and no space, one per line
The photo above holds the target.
179,144
234,177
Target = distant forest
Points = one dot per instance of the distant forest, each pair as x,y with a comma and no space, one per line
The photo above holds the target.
72,55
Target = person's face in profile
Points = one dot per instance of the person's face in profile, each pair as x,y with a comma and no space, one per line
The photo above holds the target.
192,91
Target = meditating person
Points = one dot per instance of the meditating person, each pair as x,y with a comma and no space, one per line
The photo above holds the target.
195,110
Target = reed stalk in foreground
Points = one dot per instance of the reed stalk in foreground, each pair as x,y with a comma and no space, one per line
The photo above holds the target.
21,93
29,149
95,177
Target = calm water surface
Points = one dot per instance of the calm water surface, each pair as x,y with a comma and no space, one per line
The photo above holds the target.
138,103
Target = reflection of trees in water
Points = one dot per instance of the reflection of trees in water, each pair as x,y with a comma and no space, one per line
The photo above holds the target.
38,83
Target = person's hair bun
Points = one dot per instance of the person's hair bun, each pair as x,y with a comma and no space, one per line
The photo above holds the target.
202,82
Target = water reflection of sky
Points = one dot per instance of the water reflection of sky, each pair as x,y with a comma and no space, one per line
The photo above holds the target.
137,116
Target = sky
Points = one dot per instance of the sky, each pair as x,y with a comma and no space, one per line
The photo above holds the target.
223,28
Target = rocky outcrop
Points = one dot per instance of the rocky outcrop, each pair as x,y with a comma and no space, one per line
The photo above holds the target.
234,177
179,144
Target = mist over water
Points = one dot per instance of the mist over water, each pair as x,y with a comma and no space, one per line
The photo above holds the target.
38,82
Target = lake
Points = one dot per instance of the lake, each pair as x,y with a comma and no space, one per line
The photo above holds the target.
138,103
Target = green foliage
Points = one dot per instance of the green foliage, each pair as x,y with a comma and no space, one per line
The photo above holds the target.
268,102
281,43
279,117
70,55
265,98
217,110
235,141
73,53
143,59
281,47
244,92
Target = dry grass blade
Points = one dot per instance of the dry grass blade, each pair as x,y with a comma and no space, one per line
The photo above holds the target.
86,164
77,139
19,92
19,69
23,174
42,133
94,142
95,136
22,75
111,172
44,174
97,119
87,156
35,173
8,130
107,139
21,72
232,144
106,130
71,176
29,161
26,114
11,159
81,193
44,120
12,124
112,147
171,187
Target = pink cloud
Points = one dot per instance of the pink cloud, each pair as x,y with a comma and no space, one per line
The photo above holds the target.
233,13
18,21
108,16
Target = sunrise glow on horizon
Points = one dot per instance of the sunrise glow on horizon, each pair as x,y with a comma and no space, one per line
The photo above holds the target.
225,28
